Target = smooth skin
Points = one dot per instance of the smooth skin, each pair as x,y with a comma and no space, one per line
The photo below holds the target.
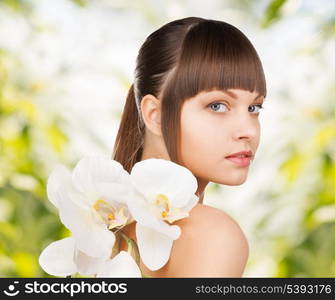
213,125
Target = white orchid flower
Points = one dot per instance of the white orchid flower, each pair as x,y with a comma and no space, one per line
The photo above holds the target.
62,258
166,193
92,202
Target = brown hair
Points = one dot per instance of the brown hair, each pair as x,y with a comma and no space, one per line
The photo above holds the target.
179,60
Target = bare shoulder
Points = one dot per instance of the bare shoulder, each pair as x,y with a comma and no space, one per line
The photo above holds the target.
211,244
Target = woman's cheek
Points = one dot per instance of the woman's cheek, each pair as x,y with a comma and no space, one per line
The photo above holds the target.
199,142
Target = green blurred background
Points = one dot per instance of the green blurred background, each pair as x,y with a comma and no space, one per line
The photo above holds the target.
65,68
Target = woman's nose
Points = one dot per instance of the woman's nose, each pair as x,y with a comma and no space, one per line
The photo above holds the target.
246,128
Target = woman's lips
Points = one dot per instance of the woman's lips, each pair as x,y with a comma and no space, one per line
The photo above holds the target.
240,161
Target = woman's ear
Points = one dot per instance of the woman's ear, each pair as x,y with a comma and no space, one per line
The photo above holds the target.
151,112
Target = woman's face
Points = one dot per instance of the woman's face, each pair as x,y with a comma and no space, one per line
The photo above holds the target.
216,124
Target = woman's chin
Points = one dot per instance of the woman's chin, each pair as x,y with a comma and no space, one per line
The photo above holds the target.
234,183
231,180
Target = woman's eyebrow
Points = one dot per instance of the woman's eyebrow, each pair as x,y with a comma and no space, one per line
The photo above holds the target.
231,94
234,96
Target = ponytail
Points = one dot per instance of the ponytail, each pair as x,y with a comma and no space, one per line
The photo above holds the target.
128,145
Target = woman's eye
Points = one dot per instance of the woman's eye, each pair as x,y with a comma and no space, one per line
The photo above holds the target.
216,106
259,108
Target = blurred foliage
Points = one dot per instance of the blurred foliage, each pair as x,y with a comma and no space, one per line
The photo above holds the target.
27,221
309,173
272,12
311,252
17,5
81,3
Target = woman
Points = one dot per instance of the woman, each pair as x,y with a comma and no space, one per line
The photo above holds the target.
199,85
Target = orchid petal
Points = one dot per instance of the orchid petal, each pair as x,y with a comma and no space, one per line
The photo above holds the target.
57,258
94,169
140,212
59,179
87,265
92,237
122,265
114,192
154,247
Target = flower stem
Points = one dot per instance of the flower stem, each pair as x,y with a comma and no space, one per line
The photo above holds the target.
132,246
